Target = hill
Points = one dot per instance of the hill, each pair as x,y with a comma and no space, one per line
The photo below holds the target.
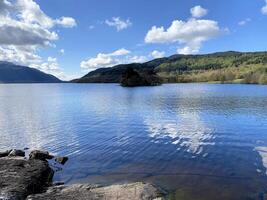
223,67
11,73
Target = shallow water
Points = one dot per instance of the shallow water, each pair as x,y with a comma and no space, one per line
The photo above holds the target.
198,141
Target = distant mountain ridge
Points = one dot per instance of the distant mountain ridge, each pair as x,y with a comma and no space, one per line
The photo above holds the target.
230,66
12,73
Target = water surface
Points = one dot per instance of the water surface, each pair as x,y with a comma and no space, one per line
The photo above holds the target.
199,141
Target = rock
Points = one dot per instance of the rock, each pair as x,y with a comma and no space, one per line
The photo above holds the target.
20,178
40,155
4,153
62,160
134,191
58,183
16,152
132,78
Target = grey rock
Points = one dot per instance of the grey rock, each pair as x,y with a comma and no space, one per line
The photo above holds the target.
58,183
16,152
20,178
62,160
40,155
4,153
134,191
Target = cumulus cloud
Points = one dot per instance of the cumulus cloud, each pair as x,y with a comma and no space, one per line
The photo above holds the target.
19,54
14,32
192,34
51,59
4,6
157,54
103,60
264,8
24,29
120,56
137,59
198,12
120,52
119,23
67,22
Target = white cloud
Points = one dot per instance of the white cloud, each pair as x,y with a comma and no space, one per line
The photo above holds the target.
19,54
119,23
157,54
67,22
137,59
62,51
25,29
31,13
101,60
191,34
4,6
264,8
51,59
104,60
120,52
244,22
120,56
198,12
15,32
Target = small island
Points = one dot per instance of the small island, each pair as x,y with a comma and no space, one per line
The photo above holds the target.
133,78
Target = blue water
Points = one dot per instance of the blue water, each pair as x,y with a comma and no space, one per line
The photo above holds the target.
197,141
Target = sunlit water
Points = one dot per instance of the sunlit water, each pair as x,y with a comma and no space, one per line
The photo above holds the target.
198,141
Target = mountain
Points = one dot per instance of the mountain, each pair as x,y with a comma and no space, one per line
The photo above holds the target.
223,67
11,73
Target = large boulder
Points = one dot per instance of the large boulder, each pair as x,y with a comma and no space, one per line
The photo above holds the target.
20,177
16,152
134,191
40,155
132,78
5,153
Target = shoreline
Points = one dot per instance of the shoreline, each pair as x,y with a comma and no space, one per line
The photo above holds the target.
30,178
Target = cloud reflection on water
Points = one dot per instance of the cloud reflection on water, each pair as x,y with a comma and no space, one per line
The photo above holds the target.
263,154
186,130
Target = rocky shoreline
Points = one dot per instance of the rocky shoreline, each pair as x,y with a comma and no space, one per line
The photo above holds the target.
30,178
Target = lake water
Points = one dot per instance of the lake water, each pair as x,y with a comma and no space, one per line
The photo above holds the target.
198,141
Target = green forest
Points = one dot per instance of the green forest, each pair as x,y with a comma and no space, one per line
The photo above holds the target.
229,67
225,67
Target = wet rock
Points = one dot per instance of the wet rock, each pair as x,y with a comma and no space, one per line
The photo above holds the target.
4,153
58,183
20,178
62,160
134,191
16,152
40,155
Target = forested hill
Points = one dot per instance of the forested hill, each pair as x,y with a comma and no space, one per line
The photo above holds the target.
250,67
11,73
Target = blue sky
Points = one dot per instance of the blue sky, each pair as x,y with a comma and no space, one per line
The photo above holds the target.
84,35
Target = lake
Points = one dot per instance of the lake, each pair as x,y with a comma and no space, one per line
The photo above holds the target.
197,141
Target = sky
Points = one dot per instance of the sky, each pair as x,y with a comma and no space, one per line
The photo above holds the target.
69,38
